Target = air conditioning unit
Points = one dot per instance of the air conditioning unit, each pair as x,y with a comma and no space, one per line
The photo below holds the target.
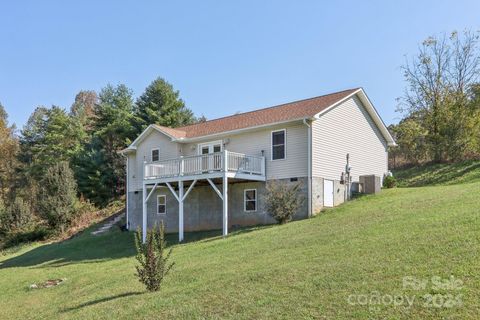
370,183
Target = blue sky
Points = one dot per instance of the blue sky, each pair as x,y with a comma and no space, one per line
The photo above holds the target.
223,56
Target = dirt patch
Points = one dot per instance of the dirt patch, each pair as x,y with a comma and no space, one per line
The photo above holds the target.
47,284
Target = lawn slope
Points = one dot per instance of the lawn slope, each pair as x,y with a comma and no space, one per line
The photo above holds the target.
439,174
306,269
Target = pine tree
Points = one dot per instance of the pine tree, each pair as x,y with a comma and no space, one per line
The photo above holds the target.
160,104
50,136
114,132
58,198
95,177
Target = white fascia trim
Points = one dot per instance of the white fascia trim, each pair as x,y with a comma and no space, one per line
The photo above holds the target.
370,109
236,131
151,127
127,150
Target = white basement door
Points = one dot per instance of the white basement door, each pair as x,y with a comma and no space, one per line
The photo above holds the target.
327,193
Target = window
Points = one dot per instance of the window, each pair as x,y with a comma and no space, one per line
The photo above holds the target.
250,199
155,155
161,204
278,144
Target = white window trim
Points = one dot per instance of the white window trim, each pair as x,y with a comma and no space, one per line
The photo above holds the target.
151,154
284,143
165,197
245,200
211,143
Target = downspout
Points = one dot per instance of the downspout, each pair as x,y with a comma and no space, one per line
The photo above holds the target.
309,169
126,191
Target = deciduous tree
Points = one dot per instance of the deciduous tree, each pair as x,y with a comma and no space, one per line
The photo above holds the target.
439,81
9,148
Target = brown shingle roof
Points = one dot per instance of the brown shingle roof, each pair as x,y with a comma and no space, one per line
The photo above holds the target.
285,112
172,132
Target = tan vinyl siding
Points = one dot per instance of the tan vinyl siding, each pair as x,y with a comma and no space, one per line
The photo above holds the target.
132,172
155,140
347,128
253,142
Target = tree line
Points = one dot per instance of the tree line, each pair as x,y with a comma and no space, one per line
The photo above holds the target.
441,102
63,159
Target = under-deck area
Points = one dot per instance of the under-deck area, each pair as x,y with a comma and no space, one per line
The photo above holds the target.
181,175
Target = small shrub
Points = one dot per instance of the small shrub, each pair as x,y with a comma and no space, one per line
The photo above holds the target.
389,182
152,258
16,216
282,201
36,233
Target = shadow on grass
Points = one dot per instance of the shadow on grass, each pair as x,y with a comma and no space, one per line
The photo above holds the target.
439,174
84,248
87,248
106,299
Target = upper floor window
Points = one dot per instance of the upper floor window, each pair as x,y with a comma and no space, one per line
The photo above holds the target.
155,155
278,144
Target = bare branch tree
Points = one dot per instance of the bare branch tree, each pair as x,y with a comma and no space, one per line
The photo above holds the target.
438,80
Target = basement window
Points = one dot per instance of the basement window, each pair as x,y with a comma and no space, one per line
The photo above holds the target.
155,155
250,200
278,144
161,204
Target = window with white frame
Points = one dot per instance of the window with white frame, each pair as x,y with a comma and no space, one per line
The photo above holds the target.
155,155
278,144
250,200
161,204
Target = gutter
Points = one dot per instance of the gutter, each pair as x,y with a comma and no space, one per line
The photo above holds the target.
309,168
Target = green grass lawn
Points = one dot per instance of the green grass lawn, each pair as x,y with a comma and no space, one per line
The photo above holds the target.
302,270
439,174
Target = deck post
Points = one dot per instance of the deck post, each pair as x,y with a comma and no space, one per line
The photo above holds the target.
225,204
180,211
182,165
144,213
225,160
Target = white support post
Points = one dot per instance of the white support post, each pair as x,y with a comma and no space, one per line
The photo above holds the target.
144,213
262,170
225,205
225,160
225,193
180,211
182,166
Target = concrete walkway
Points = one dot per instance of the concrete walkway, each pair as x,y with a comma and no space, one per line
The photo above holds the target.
107,225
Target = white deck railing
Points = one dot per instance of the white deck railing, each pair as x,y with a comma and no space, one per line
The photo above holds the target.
205,163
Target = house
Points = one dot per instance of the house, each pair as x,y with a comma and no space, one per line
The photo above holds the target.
212,175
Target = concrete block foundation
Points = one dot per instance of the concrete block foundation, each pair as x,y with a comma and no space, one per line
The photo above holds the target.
203,207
